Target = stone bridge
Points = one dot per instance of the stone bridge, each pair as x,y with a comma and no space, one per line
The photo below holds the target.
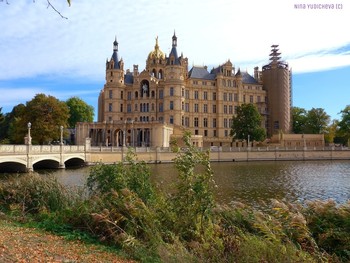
27,157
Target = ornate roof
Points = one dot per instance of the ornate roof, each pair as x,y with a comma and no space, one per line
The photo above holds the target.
156,53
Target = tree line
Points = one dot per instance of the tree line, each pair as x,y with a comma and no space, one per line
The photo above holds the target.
46,115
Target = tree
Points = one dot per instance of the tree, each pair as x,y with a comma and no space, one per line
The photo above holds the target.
79,111
2,117
247,122
48,5
46,114
343,132
299,119
317,121
12,130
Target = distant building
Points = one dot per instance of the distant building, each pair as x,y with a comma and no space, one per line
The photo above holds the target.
151,107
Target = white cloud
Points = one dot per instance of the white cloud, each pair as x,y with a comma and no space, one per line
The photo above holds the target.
36,41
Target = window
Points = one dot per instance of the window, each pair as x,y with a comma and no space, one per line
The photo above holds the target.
136,94
214,123
230,96
121,94
205,108
187,107
225,109
152,106
196,94
128,108
230,109
182,106
205,122
187,94
183,92
214,95
171,105
110,107
225,123
121,107
205,133
195,122
235,97
129,95
214,133
135,107
195,107
171,91
230,121
226,133
171,119
160,107
225,96
251,99
161,94
110,94
258,99
214,108
187,121
244,98
205,95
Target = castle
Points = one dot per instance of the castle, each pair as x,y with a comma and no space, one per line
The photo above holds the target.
151,107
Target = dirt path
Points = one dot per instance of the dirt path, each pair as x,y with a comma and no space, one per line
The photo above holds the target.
19,244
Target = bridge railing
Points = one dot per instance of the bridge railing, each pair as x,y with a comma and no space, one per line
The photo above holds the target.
22,149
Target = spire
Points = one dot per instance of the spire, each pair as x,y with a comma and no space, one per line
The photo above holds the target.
115,44
173,57
174,40
115,54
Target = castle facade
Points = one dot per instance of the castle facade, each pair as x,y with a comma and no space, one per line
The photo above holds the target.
151,107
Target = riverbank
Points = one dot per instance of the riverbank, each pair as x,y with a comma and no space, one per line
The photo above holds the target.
23,244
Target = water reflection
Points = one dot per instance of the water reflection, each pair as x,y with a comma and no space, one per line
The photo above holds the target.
254,182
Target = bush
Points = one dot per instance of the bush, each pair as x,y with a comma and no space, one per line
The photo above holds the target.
329,224
33,194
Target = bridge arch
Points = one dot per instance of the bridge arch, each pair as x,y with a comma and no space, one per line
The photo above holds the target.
76,161
13,167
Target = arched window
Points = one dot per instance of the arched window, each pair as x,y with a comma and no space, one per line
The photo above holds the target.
136,94
154,73
160,74
152,93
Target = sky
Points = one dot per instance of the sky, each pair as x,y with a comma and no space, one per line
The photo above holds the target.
41,52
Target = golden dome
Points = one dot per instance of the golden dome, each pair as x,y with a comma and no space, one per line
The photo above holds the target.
156,53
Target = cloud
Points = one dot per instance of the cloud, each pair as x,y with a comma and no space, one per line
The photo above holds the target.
35,41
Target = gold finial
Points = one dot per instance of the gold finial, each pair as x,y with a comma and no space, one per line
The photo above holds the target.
156,46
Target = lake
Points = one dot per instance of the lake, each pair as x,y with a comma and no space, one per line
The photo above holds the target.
253,182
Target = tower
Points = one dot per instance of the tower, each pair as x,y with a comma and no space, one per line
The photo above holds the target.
276,81
113,88
174,85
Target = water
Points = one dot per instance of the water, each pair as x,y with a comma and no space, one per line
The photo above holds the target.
254,182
